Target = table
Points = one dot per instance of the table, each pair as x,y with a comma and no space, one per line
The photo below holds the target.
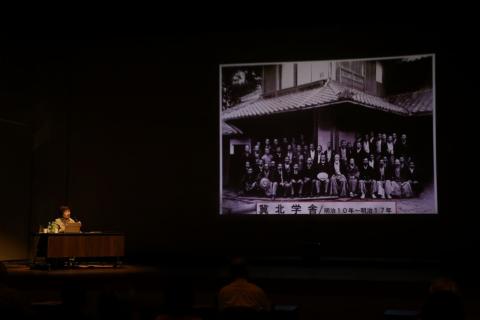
79,245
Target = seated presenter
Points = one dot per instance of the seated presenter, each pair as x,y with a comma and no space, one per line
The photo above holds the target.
64,213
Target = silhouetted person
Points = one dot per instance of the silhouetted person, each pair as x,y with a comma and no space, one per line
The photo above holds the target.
443,302
241,294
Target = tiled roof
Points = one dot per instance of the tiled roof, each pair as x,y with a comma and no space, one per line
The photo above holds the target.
417,102
312,98
368,100
229,129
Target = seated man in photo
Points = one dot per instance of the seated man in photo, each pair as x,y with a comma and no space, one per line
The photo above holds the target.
287,165
310,178
384,186
272,172
391,162
290,153
246,155
298,153
311,152
272,165
358,154
367,145
380,147
267,144
301,162
318,155
287,180
366,182
278,156
329,153
281,179
402,148
338,181
352,177
276,144
259,168
387,163
247,164
305,152
297,181
249,182
403,164
400,185
371,161
266,186
349,149
267,157
390,147
257,154
413,178
344,153
323,176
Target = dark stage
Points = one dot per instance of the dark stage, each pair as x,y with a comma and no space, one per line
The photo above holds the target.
125,130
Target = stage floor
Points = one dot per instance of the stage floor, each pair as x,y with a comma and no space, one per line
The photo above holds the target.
23,269
293,269
327,291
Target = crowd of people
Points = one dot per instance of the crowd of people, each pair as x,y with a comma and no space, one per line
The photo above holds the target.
239,298
374,165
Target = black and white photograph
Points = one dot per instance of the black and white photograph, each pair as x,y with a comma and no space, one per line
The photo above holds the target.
328,137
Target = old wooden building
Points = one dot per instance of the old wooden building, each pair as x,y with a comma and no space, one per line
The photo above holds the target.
330,101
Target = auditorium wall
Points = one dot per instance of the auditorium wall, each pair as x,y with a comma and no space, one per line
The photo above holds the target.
134,148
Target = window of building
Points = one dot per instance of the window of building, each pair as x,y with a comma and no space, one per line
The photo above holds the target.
352,73
379,72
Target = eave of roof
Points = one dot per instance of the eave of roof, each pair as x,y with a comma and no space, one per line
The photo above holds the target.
331,93
230,129
416,102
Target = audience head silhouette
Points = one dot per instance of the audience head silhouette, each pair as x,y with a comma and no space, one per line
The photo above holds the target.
443,302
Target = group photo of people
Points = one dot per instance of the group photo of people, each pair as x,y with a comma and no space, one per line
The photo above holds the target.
381,165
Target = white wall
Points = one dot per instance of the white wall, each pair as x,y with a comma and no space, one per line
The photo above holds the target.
287,75
320,70
312,71
304,72
324,128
